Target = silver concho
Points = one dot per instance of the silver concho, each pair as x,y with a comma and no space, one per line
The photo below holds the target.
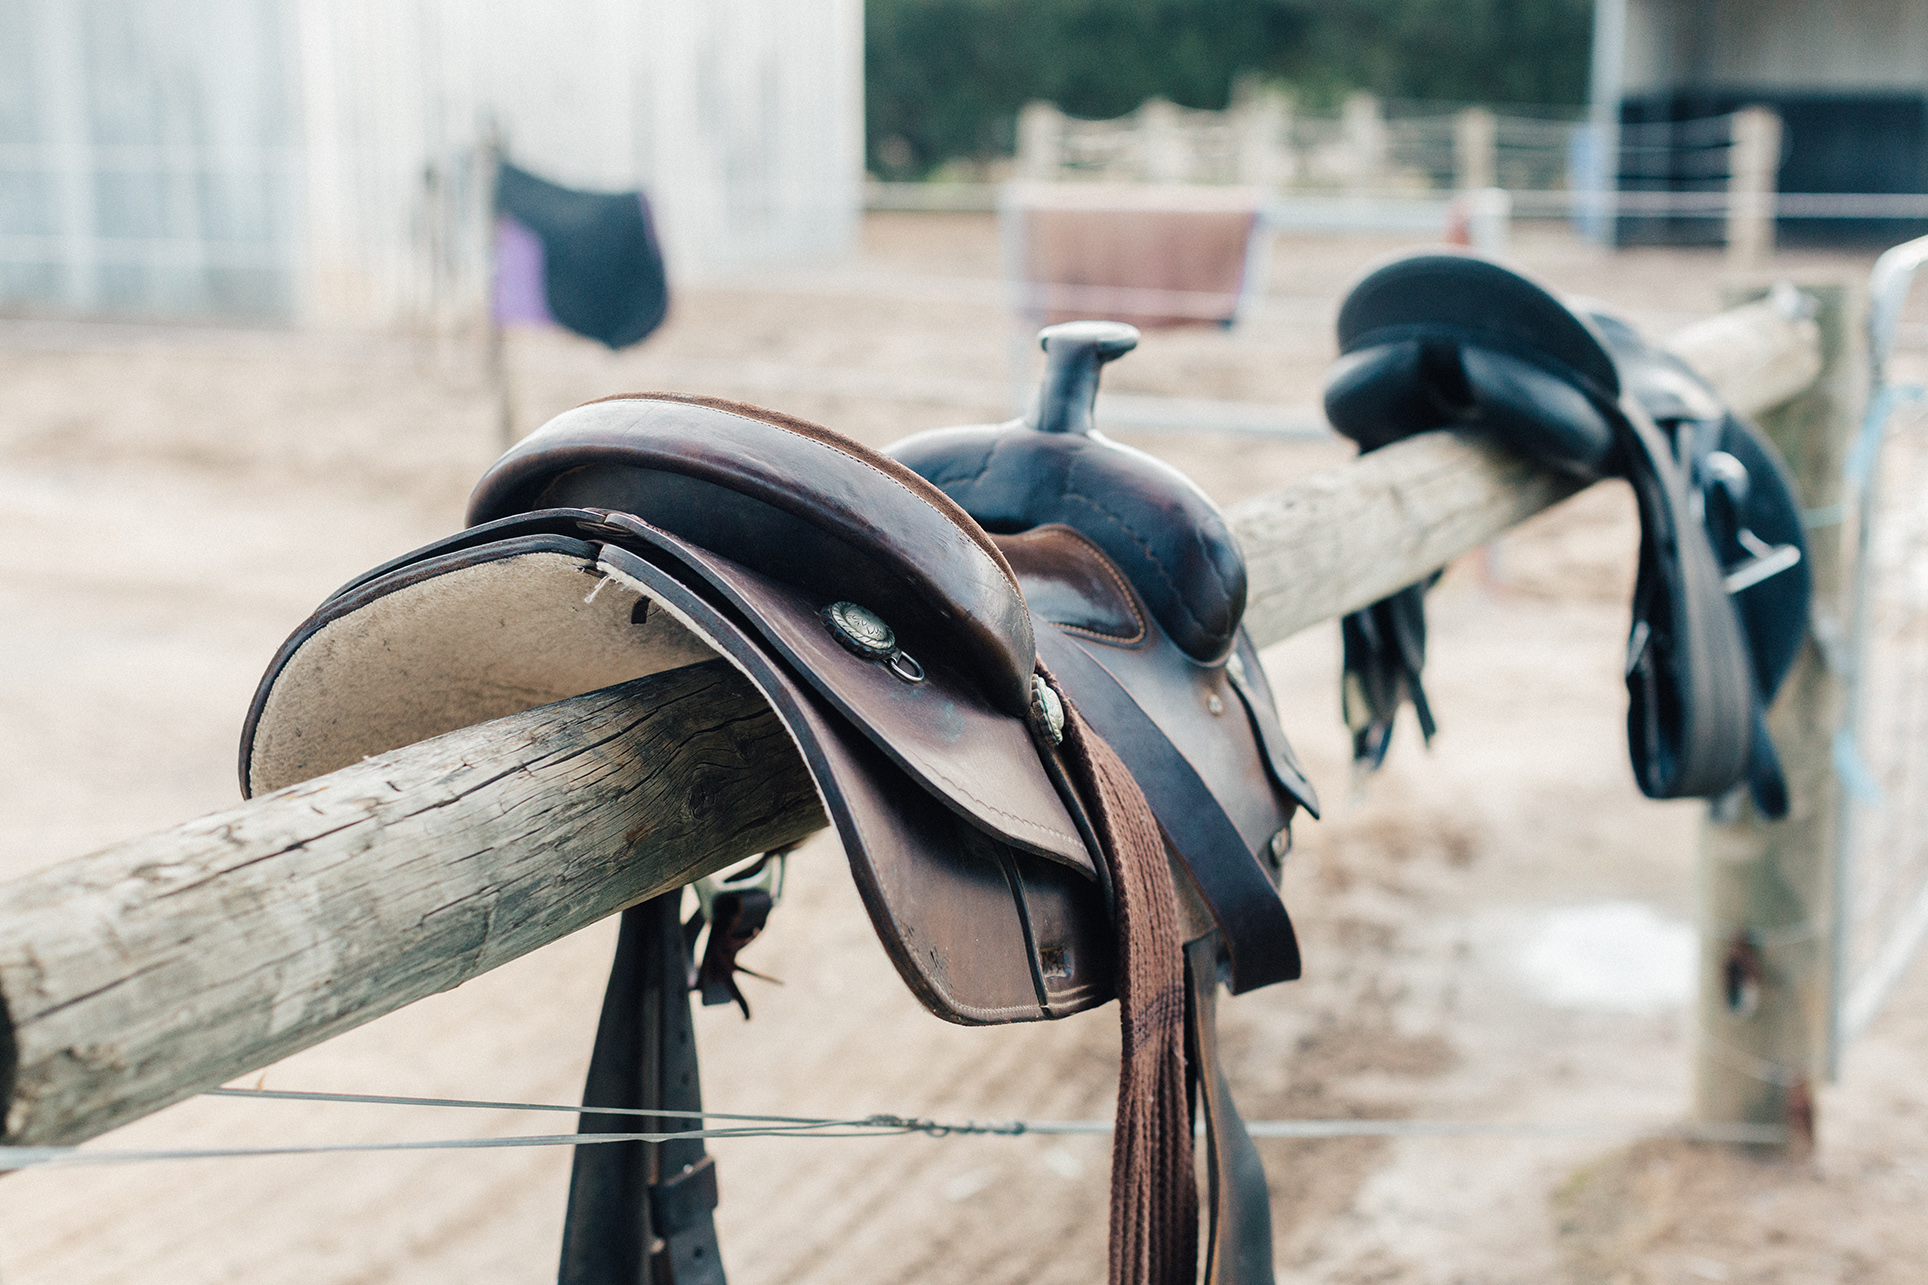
860,629
864,632
1048,708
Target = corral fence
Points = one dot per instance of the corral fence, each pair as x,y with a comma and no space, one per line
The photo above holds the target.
1376,165
1367,146
1882,750
168,965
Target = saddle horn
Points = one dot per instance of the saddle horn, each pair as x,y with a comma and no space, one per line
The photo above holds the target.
1074,351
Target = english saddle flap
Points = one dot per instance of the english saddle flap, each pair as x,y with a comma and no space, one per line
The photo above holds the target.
1431,341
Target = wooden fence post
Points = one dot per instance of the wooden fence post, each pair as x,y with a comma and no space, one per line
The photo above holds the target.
1164,151
1475,150
1767,887
1262,122
1753,174
1365,134
1040,142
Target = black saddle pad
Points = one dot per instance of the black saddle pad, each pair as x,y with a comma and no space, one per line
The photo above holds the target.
603,273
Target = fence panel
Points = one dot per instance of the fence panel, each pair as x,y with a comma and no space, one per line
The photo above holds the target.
1882,753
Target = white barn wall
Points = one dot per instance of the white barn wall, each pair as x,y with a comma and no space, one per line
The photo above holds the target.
146,156
741,118
324,158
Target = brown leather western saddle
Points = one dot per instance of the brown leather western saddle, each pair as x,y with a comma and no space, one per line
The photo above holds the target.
1011,659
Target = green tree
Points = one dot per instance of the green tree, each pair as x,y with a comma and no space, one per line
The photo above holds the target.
945,78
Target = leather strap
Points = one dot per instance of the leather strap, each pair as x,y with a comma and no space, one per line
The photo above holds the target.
1691,716
1154,1196
640,1212
1252,921
1384,647
1247,677
1238,1240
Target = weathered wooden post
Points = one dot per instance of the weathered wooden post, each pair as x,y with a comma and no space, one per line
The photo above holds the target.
1365,135
1767,887
1164,154
1753,174
1476,138
1040,142
1261,122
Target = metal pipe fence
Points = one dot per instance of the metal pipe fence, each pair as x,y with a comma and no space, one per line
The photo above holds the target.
1881,753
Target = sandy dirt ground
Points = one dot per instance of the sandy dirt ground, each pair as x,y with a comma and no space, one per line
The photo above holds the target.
1495,929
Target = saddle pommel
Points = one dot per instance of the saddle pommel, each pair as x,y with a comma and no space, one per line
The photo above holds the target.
1074,350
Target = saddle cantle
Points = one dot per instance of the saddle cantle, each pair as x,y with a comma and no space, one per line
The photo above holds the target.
1011,866
1434,341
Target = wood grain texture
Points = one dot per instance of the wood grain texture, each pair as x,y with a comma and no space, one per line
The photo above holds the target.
151,970
169,964
1338,541
1767,888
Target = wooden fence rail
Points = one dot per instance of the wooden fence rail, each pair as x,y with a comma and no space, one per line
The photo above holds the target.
170,964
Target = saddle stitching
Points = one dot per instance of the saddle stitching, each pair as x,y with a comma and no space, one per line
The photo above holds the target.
1118,582
1163,574
995,561
991,807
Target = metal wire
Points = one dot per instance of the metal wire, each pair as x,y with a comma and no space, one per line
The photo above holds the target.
869,1126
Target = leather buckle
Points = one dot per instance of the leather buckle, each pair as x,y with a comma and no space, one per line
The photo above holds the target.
685,1201
1769,560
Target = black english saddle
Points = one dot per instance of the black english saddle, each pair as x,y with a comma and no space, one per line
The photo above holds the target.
1720,606
1048,750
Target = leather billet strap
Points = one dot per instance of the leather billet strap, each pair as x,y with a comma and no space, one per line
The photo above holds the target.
1154,1199
1246,674
1238,1240
1384,652
641,1211
1245,904
1690,719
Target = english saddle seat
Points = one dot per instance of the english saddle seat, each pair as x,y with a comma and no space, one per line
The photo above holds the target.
1720,608
1048,750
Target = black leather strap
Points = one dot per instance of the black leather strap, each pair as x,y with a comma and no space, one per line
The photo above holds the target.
1238,1238
1384,650
1245,904
639,1212
1247,676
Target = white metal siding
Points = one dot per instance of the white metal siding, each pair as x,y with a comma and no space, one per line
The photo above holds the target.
131,178
320,158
